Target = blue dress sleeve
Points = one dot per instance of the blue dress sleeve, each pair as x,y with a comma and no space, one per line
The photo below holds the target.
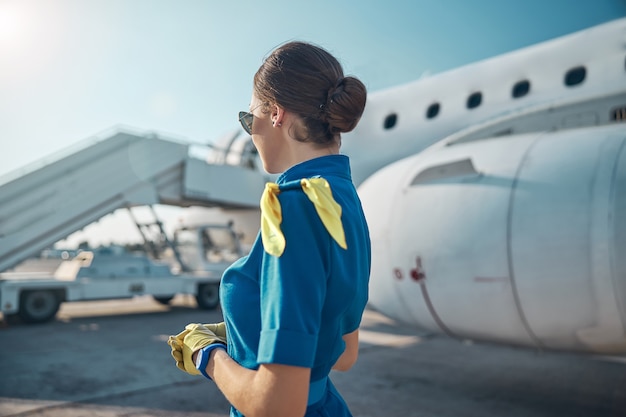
293,286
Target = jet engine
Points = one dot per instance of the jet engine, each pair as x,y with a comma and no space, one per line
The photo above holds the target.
517,240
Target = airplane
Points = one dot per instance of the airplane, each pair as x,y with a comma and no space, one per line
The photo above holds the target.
496,195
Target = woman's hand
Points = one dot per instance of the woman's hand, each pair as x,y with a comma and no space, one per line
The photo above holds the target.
186,344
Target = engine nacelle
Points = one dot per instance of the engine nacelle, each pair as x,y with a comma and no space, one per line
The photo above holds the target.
518,240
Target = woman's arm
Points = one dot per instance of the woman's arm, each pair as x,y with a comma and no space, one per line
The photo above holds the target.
350,354
272,390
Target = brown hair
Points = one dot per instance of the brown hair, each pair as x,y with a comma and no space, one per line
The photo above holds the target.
307,80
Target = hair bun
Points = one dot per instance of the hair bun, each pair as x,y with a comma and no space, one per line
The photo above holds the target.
345,104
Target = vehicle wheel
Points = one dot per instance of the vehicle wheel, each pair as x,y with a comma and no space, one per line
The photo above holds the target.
163,300
208,296
38,306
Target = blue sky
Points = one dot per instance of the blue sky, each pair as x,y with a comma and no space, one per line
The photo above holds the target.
71,69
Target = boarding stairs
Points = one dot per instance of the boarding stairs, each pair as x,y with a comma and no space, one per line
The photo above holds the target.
124,170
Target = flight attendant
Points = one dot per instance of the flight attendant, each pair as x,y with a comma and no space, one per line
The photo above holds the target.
293,306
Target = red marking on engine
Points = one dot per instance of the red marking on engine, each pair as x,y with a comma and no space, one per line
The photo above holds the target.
418,273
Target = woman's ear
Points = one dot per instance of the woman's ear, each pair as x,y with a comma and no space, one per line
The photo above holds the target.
278,114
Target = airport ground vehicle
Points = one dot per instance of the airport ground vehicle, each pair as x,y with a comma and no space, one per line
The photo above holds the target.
112,272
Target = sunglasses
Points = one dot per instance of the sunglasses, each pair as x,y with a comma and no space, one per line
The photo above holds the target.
246,119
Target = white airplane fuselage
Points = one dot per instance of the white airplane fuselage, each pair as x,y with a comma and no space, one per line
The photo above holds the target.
496,196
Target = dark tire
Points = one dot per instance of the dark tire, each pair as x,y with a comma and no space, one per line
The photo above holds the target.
208,296
38,306
163,300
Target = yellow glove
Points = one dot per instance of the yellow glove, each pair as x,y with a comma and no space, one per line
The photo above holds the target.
184,344
219,329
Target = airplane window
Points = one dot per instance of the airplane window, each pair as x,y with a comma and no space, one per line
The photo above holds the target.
390,121
433,110
520,89
575,76
474,100
619,114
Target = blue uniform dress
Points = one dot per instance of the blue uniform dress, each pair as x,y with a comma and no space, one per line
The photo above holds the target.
293,309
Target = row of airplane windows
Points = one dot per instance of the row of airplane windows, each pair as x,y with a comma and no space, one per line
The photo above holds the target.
573,77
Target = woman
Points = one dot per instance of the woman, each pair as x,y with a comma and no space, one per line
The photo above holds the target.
293,306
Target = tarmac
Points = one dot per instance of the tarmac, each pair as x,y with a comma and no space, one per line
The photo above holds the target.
109,358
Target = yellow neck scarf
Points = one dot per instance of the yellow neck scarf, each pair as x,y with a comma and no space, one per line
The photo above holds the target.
318,191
